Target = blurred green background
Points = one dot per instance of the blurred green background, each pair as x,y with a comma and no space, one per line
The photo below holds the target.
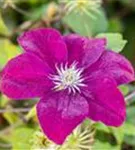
17,121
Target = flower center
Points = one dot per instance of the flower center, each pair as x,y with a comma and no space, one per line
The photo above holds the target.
68,78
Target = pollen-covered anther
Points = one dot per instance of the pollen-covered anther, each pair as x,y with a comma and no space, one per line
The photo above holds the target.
68,78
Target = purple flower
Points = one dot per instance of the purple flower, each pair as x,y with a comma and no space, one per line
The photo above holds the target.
75,77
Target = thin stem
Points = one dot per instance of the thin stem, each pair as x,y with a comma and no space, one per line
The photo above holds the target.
15,110
3,145
4,36
8,129
20,10
130,96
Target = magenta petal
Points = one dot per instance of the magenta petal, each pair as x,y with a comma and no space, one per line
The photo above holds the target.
106,103
113,65
83,50
47,43
60,113
25,76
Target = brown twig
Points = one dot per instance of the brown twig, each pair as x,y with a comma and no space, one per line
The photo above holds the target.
4,36
130,96
9,128
3,145
15,110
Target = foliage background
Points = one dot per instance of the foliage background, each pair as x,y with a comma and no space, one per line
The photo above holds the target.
18,121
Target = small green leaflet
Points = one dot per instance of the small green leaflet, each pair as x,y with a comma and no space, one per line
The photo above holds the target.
115,41
84,24
7,51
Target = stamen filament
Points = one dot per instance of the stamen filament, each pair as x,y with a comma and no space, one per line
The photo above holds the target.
69,78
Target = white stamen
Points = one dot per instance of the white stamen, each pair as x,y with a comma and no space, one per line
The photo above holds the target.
69,78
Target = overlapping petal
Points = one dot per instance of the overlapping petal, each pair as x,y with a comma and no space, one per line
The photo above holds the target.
106,103
83,50
59,113
47,43
114,65
25,76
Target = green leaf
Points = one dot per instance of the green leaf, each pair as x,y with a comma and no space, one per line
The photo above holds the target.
99,145
102,127
37,13
3,100
31,113
115,41
115,25
124,89
129,129
33,1
130,140
8,51
4,144
125,130
131,115
85,25
118,134
21,137
129,3
11,117
3,28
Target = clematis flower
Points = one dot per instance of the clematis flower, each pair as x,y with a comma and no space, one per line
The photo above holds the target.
75,78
